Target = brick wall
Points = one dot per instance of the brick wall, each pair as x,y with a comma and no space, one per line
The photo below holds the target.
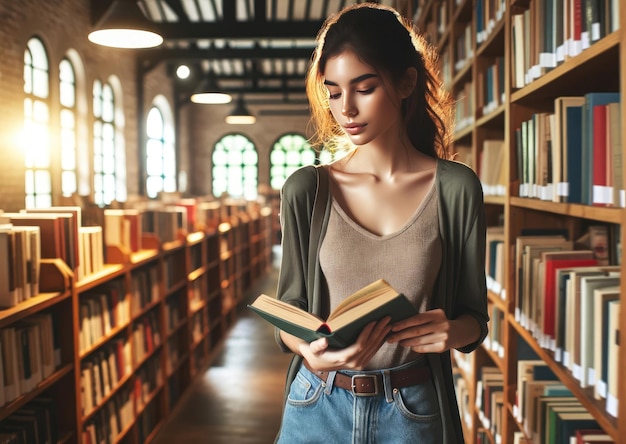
63,25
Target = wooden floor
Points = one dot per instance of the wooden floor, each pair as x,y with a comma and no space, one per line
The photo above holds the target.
239,399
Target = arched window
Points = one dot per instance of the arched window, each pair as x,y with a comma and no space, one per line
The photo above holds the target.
160,155
104,149
38,181
235,167
289,152
67,99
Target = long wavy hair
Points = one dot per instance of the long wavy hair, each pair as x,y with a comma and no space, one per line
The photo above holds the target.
387,42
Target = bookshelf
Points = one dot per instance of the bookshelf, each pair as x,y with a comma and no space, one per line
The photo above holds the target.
496,110
130,338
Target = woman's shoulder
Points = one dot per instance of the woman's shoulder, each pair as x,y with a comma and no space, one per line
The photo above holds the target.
454,172
458,179
301,182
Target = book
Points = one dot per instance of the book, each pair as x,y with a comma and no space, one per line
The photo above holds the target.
600,193
9,296
588,129
613,365
602,298
584,436
71,219
566,424
614,145
552,262
490,165
523,272
543,405
494,260
587,325
560,146
573,155
343,325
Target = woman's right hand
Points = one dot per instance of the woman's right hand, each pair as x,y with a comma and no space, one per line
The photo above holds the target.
353,357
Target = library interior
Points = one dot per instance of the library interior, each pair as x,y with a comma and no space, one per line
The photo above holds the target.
140,213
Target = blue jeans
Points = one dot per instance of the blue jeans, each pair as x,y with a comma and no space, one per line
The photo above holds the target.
318,413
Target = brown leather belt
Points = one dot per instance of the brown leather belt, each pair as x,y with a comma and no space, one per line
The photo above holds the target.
371,384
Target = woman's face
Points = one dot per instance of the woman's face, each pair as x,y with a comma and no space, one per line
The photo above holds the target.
359,100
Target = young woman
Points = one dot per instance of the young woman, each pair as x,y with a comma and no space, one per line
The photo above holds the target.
396,208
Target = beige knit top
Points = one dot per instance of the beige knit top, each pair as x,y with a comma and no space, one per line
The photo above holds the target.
409,259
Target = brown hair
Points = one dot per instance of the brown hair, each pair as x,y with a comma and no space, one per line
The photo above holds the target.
387,42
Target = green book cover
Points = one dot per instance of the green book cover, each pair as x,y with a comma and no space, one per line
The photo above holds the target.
553,415
371,303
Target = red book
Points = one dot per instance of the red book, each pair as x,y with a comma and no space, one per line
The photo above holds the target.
553,261
119,351
149,340
577,19
52,235
134,223
599,179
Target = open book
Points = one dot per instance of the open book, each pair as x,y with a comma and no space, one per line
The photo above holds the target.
371,303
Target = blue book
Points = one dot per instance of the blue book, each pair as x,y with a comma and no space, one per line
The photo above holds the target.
561,307
544,373
557,390
568,422
493,248
573,124
591,100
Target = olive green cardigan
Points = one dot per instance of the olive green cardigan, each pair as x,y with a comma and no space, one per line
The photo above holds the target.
460,287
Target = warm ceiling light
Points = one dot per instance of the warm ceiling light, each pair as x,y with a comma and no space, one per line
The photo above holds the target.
125,26
183,72
209,92
240,114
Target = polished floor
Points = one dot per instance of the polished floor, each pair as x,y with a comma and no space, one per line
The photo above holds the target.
238,400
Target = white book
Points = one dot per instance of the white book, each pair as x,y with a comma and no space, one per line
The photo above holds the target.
8,292
601,299
106,315
587,327
113,376
35,349
87,388
9,357
614,350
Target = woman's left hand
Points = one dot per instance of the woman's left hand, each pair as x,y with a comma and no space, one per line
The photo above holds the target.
433,332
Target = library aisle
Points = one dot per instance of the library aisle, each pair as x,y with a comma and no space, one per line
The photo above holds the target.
239,399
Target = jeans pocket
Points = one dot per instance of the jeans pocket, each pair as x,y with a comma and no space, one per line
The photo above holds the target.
305,389
418,402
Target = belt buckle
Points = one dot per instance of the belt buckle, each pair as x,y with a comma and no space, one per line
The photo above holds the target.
374,382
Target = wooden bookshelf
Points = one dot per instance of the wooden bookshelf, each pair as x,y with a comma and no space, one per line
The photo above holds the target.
598,68
170,303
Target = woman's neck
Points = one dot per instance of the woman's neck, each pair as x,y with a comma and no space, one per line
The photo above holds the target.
386,158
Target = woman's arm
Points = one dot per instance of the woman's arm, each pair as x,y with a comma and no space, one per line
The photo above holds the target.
433,332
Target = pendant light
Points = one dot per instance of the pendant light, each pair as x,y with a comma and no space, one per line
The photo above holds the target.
240,115
124,25
209,92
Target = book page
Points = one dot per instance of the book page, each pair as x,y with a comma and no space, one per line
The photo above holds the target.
287,311
366,293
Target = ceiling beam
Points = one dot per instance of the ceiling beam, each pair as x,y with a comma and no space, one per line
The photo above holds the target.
258,76
177,7
182,55
276,90
239,30
98,8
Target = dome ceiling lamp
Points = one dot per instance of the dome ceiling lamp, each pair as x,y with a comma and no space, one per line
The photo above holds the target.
209,92
124,25
240,115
